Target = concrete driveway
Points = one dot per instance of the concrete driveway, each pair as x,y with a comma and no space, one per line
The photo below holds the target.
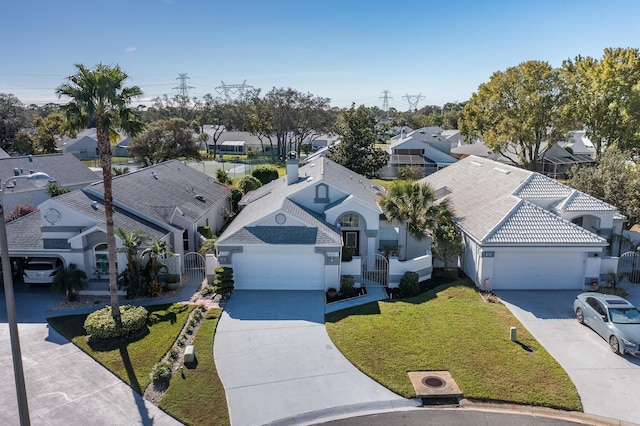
278,365
64,385
608,384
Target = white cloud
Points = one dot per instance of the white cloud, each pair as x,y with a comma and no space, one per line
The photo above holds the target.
130,49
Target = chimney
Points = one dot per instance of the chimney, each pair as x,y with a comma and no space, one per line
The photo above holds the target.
292,167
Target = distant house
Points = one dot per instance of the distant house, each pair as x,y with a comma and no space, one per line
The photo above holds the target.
168,201
424,148
579,144
322,141
64,169
85,145
523,230
232,142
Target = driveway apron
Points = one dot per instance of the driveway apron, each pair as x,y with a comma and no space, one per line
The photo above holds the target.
608,384
64,385
278,365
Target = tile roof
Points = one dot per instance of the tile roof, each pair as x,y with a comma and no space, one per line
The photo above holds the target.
532,225
540,186
157,190
485,193
581,202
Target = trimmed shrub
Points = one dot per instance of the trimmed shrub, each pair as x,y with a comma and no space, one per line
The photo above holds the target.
248,183
265,174
347,286
161,371
223,282
236,195
100,325
222,176
409,284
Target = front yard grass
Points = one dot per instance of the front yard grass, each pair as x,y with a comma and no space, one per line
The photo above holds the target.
131,361
198,397
451,328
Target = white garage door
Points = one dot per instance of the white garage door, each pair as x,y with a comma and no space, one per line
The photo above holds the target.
279,268
538,270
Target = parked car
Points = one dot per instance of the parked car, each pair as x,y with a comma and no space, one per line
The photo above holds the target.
612,317
41,270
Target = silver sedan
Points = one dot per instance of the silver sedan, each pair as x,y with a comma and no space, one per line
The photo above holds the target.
613,318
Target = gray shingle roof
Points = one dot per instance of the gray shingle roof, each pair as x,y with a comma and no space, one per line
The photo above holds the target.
66,169
485,194
276,195
25,233
157,190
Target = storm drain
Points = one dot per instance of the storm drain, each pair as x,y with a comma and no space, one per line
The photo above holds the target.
435,387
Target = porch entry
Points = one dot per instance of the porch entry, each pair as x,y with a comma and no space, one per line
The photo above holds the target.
375,271
629,266
195,266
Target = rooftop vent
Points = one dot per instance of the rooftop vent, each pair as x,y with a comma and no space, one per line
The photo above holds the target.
499,170
476,163
155,175
16,172
201,198
94,205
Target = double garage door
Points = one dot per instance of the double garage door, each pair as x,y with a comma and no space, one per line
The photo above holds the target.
278,268
521,270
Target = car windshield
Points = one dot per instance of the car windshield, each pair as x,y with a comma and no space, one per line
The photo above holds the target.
39,266
625,315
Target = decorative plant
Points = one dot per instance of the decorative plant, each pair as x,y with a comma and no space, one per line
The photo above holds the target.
157,251
69,281
223,282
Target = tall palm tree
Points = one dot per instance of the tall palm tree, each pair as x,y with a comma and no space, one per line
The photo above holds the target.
99,96
414,204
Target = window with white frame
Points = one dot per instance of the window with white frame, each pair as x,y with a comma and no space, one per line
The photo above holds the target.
101,258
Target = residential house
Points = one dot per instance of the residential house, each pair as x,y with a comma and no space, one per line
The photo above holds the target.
524,230
168,201
63,169
85,145
231,142
319,222
424,148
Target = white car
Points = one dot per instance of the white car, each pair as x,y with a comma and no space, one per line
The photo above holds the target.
41,270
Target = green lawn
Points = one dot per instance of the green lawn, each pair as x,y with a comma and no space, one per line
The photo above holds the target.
198,398
131,362
451,328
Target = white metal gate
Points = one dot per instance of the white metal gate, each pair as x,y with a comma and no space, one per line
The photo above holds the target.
629,266
195,266
375,271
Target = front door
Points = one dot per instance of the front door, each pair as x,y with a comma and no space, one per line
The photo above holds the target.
352,242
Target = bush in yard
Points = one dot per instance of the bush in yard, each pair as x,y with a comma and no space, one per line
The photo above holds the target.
409,284
265,174
223,282
69,281
100,325
161,371
347,286
222,176
236,195
248,183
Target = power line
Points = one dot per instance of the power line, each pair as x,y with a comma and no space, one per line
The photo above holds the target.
183,89
385,100
232,91
413,101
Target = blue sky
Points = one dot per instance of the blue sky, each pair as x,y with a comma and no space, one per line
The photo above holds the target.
346,50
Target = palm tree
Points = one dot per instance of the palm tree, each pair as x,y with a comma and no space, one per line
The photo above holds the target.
157,251
69,281
99,96
414,204
132,242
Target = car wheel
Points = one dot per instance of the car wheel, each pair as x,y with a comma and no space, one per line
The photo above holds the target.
614,344
580,315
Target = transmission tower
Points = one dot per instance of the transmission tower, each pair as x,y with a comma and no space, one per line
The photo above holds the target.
233,91
385,100
413,101
183,89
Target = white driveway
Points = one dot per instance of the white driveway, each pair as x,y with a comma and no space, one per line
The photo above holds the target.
277,363
608,384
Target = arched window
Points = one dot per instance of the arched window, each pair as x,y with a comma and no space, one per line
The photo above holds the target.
322,193
349,220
